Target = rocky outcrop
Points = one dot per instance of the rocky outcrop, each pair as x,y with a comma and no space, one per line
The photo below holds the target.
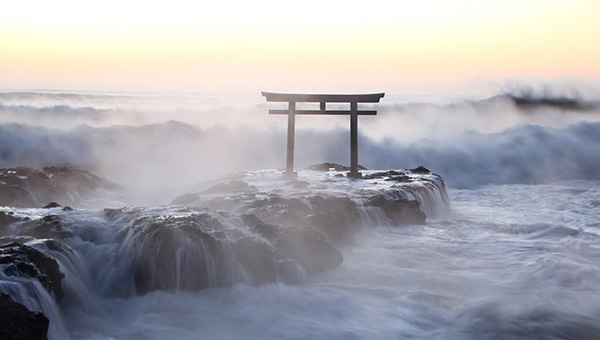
230,187
46,227
19,259
27,187
307,246
19,323
7,218
399,211
330,202
197,250
337,218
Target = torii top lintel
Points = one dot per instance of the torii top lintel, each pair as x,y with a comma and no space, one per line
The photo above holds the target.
317,98
323,99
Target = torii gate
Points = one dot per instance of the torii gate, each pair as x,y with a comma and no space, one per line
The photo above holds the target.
323,99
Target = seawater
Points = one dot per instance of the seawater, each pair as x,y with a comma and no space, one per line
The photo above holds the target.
512,262
516,259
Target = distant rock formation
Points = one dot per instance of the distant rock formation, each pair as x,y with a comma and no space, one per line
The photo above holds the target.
31,188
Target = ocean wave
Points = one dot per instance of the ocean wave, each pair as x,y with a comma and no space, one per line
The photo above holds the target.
522,154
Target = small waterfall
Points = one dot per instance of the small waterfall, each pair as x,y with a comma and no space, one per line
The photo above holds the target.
431,195
33,295
372,217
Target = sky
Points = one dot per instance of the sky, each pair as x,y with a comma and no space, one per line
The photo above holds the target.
401,47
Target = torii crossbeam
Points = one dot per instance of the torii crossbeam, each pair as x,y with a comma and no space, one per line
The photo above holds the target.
323,99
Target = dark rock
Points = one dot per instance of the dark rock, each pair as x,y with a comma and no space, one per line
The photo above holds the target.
19,323
268,231
6,219
390,175
305,245
337,218
257,259
420,170
27,187
384,174
49,226
51,205
399,211
56,205
22,260
195,252
293,211
309,248
401,179
178,253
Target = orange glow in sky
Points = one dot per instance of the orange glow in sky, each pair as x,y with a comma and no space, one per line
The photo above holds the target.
393,46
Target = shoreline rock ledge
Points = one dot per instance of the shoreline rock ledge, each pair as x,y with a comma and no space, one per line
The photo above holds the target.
327,200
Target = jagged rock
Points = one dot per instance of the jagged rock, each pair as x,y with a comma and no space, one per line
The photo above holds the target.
49,226
305,245
56,205
174,252
268,231
197,251
309,248
390,175
257,259
337,218
51,205
22,260
19,323
420,170
399,211
27,187
6,219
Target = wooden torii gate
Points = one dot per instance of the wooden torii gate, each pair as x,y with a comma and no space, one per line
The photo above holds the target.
323,99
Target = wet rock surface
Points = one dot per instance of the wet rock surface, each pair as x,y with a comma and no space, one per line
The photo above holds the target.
254,228
19,323
300,202
28,187
19,259
399,211
199,250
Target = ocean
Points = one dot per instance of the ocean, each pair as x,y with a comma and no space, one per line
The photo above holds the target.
509,249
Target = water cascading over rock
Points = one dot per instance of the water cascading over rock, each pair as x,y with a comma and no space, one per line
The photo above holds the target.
195,248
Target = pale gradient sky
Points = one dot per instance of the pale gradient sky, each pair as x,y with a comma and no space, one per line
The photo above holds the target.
404,47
